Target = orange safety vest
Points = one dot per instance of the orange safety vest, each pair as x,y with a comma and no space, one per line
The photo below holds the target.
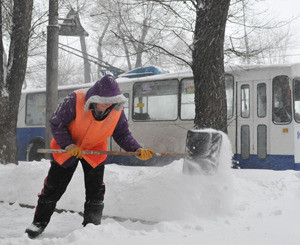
88,133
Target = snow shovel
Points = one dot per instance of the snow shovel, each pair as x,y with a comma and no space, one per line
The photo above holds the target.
204,148
120,153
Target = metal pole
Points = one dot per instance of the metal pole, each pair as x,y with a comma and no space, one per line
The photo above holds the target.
52,66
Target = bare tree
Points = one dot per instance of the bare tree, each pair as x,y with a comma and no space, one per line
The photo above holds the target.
133,25
126,49
101,31
145,32
36,65
255,35
207,51
99,48
274,45
10,87
86,63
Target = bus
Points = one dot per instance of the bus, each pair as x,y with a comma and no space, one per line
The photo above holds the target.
263,116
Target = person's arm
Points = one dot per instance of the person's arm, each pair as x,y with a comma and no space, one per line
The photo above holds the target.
61,118
123,136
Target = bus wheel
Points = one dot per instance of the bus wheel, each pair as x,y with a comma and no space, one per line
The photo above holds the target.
32,148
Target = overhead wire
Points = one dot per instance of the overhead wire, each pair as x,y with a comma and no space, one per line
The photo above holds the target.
94,59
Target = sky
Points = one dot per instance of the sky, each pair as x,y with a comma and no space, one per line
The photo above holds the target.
279,9
230,207
285,9
284,19
288,10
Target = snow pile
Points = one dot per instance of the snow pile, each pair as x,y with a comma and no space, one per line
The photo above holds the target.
164,194
148,193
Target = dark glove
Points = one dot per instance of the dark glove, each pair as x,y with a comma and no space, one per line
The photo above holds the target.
74,151
144,154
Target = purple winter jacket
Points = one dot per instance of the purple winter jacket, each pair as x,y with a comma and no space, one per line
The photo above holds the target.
104,91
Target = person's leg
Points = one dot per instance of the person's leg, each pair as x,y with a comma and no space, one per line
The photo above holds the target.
94,193
55,185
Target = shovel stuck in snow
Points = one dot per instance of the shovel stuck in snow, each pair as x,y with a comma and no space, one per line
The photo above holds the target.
204,148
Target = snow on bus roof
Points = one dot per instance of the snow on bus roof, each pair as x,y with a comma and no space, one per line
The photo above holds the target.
263,66
64,87
144,71
156,77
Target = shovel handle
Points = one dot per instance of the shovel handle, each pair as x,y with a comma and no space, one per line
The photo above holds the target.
127,153
90,152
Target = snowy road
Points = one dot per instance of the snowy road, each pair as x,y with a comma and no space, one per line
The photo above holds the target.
231,207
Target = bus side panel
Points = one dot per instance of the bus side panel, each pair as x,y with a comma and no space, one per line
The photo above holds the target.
163,136
296,137
274,162
134,161
281,162
24,136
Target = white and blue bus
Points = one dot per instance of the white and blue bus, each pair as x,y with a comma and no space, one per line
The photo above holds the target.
263,112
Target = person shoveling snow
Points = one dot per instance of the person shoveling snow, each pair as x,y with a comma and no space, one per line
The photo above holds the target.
84,121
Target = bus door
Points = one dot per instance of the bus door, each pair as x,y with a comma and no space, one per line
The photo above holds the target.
281,130
252,124
296,97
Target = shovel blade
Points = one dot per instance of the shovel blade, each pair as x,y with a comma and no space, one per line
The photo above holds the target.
203,147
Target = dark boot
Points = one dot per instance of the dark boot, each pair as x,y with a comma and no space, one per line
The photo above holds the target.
41,219
94,193
93,213
35,229
55,185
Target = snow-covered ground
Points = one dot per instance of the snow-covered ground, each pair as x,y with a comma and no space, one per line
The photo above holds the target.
230,207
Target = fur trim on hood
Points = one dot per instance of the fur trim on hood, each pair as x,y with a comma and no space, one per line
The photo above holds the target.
105,91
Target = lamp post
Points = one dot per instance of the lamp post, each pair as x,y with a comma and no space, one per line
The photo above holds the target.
52,66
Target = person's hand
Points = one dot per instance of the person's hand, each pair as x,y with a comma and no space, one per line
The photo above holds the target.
74,151
144,154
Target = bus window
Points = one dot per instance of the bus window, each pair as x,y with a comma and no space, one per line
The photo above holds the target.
261,100
282,110
188,97
155,100
126,106
245,101
229,95
262,141
297,99
35,109
245,141
62,94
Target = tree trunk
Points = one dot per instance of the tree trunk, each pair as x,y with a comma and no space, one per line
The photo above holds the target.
86,63
1,51
208,64
99,49
11,87
125,48
140,46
